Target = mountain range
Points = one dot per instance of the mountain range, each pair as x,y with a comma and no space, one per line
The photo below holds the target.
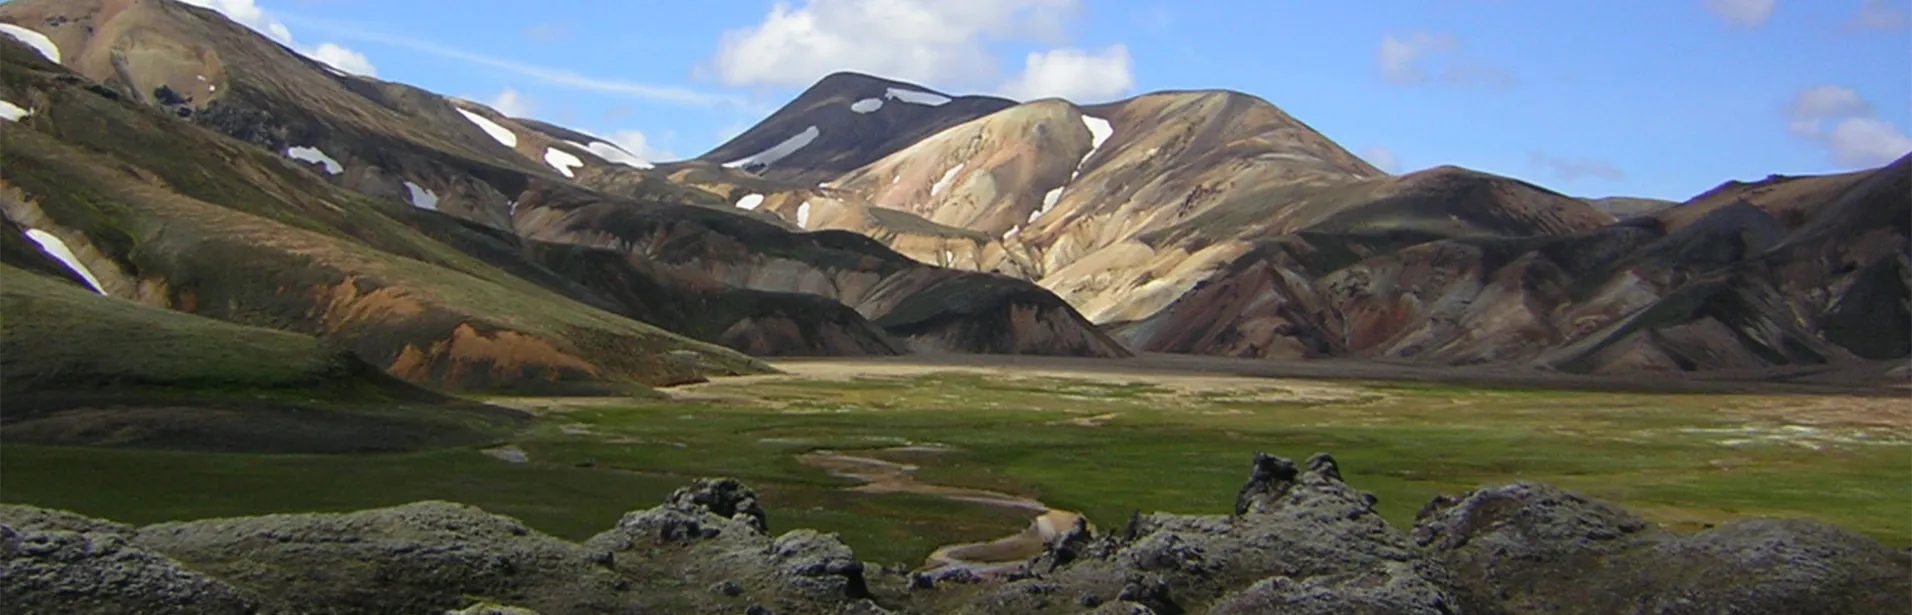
180,174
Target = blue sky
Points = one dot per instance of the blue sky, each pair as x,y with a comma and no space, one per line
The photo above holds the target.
1658,98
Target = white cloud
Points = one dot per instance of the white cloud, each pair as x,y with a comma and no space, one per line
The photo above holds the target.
1413,60
1577,168
638,144
1382,158
1815,104
933,42
554,76
249,14
1856,138
1748,13
1401,58
512,104
344,59
1867,142
1880,15
1073,74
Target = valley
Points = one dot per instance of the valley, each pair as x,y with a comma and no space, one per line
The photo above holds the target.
277,337
1103,438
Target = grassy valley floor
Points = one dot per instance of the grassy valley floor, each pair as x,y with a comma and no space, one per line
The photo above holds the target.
1104,444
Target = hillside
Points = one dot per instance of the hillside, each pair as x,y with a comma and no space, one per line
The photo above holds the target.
391,171
1210,222
868,217
80,368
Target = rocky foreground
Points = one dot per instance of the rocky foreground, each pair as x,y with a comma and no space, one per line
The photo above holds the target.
1301,541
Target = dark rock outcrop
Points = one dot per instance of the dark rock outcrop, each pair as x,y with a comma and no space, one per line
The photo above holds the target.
56,562
426,557
1303,542
1528,548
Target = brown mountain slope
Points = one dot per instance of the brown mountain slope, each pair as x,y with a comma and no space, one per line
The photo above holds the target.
929,308
1789,199
1731,290
79,368
1056,193
398,143
172,215
1210,222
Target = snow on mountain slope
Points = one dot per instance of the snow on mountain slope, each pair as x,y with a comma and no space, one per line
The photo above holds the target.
314,156
11,112
498,133
422,198
916,97
56,247
779,151
39,42
565,162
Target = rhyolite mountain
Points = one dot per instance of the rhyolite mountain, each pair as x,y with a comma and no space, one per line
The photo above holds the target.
189,163
1210,222
872,216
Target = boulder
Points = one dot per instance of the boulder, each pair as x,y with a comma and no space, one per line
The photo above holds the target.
57,562
1530,548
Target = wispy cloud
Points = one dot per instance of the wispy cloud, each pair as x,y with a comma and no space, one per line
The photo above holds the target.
1382,158
1744,13
1840,120
1880,15
553,76
512,103
1405,60
1576,169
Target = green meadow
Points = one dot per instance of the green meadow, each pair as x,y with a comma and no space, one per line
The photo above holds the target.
1106,446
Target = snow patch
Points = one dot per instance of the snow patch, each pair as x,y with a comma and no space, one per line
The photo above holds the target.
780,150
867,105
1012,232
39,42
613,154
11,112
54,246
498,133
949,258
562,160
1048,203
916,97
314,156
803,215
750,202
948,176
422,198
1099,132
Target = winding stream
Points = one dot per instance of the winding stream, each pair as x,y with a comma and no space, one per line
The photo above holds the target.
1002,556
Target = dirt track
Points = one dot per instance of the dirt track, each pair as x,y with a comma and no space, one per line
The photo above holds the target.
1001,556
1869,379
